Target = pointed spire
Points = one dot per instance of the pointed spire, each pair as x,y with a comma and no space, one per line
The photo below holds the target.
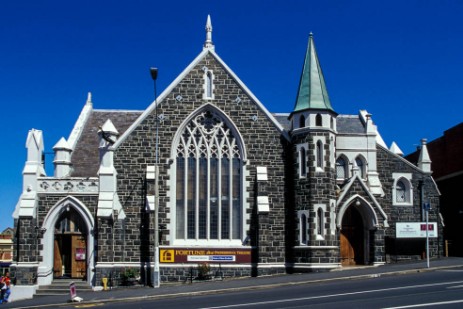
312,91
424,162
208,43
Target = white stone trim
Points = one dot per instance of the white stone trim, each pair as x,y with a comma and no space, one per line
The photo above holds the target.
48,238
407,180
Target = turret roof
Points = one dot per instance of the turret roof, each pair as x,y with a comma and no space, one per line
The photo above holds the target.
312,93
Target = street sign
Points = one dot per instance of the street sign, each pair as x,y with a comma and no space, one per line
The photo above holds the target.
427,206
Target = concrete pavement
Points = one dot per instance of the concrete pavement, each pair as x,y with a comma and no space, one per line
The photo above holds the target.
227,285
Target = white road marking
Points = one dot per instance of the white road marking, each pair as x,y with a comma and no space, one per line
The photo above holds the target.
335,295
429,304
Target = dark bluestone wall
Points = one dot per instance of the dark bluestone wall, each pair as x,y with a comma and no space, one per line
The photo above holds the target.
423,185
264,146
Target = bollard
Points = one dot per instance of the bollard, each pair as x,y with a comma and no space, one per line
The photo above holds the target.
105,283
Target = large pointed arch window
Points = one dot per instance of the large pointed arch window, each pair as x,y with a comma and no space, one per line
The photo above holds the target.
208,181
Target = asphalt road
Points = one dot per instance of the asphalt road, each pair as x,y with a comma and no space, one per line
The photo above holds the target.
437,289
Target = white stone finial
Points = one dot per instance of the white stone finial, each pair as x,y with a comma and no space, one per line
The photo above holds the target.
89,98
424,161
208,43
395,149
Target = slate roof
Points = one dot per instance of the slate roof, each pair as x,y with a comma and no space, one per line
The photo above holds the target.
349,124
85,157
282,118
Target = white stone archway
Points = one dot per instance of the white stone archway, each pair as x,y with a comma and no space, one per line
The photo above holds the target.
45,270
355,234
370,219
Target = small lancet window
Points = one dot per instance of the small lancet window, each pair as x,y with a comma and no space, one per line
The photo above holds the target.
302,121
361,166
303,162
209,84
318,120
341,168
319,154
320,222
401,192
303,229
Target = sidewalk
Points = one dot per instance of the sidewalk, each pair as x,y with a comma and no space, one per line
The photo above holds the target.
167,290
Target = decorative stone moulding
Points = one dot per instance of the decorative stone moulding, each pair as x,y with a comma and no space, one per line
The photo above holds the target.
77,185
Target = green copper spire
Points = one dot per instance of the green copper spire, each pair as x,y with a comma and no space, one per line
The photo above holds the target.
312,93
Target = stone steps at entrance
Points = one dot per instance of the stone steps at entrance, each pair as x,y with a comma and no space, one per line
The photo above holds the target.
61,287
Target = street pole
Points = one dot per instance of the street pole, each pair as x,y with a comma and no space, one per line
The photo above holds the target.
156,275
427,235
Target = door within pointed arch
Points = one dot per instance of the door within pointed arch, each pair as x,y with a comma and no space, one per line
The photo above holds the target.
352,238
70,245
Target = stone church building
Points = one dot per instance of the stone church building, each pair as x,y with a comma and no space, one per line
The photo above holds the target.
231,184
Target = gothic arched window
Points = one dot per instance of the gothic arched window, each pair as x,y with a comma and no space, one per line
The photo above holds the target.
301,121
303,162
320,222
303,229
318,120
401,192
361,166
209,84
208,180
341,168
319,154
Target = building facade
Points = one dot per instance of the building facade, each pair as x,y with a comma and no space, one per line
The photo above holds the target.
6,250
234,186
447,167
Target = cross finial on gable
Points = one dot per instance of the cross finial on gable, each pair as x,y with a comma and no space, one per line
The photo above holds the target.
208,43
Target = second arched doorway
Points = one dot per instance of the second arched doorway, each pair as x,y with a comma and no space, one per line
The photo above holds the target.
353,238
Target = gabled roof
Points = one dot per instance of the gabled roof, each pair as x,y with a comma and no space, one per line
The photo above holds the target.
312,93
209,49
356,179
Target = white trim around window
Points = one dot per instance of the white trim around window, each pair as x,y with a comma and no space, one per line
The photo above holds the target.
402,189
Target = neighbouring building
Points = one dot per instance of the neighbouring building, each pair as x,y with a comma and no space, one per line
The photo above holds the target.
6,249
245,190
447,166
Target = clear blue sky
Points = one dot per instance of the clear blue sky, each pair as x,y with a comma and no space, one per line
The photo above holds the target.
400,60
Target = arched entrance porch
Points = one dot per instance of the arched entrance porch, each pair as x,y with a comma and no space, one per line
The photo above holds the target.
357,221
67,242
70,246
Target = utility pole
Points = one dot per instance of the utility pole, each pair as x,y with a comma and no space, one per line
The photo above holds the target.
156,275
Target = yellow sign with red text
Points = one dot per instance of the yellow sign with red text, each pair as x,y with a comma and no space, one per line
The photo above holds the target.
190,255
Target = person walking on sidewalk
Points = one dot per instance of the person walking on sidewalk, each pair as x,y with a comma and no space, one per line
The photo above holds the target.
5,288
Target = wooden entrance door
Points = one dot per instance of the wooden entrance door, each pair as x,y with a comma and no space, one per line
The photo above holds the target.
70,256
352,238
